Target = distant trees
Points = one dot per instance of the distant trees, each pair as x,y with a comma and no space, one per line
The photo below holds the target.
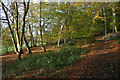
6,39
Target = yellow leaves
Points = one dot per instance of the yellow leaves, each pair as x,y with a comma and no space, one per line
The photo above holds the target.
98,17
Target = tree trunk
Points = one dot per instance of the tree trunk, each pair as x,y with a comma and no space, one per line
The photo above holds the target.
17,27
27,45
65,39
31,38
61,29
59,41
105,29
43,48
23,25
11,31
114,20
17,45
36,40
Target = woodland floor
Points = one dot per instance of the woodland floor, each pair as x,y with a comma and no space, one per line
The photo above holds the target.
11,56
98,62
102,55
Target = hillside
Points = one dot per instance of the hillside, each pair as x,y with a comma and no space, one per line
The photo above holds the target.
102,61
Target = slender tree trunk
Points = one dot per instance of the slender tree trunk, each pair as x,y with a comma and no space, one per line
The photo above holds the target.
36,38
105,29
30,31
27,45
17,32
31,37
31,42
114,20
65,39
11,31
59,40
43,48
17,27
61,29
69,35
23,25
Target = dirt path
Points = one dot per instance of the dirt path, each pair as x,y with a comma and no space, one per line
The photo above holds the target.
103,61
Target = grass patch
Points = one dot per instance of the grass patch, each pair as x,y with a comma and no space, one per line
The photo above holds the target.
51,60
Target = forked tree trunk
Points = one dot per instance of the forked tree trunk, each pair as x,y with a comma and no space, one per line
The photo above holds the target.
61,29
23,26
17,45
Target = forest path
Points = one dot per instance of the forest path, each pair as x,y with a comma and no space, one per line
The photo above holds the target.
102,61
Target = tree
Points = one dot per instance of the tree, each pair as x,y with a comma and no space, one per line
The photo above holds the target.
114,8
41,38
18,42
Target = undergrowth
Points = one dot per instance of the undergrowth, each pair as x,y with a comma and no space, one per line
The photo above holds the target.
51,60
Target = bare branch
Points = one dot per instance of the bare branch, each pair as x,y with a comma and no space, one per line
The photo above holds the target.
3,19
27,6
8,10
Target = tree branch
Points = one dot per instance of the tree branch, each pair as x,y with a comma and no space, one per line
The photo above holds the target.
8,9
27,6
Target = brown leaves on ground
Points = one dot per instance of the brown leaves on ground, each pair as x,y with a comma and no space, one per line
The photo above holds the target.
102,61
11,56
